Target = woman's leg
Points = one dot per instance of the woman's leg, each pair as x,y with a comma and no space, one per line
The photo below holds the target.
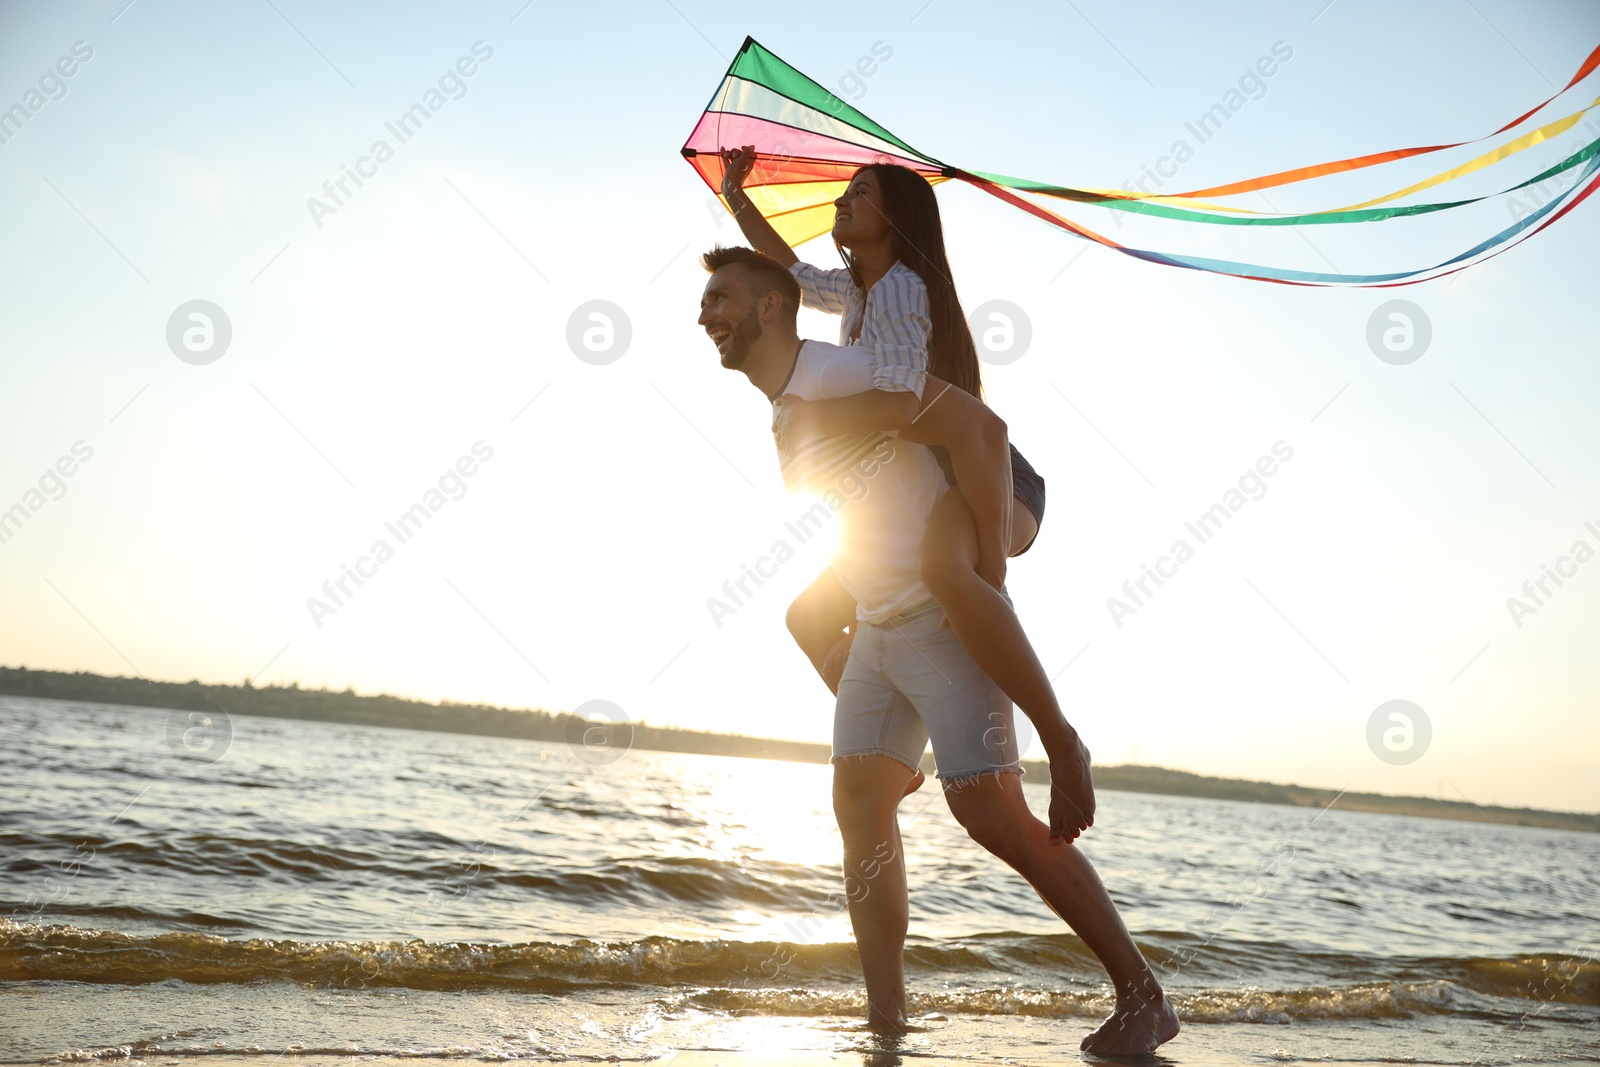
818,616
988,627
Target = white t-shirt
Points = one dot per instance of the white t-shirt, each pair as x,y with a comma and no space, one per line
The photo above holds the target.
882,490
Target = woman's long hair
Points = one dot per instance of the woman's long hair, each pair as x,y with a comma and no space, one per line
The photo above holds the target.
918,241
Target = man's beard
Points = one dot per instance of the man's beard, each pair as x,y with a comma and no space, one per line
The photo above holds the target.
746,332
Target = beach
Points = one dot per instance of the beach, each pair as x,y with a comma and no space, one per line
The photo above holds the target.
327,891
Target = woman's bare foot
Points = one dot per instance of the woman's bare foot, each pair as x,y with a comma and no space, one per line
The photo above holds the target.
1133,1029
917,778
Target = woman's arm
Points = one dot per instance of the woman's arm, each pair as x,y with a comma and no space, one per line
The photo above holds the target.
757,230
980,453
896,326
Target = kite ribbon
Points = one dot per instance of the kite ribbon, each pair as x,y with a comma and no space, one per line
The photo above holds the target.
1358,162
1525,227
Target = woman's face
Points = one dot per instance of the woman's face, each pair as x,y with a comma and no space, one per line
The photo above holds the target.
859,218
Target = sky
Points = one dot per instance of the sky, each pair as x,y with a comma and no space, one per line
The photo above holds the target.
190,484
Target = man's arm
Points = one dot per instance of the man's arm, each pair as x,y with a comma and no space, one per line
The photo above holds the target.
872,411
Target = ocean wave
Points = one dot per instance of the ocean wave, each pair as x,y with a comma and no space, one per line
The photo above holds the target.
66,953
431,862
995,974
1389,1000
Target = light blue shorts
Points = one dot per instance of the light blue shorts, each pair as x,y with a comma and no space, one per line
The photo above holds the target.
908,681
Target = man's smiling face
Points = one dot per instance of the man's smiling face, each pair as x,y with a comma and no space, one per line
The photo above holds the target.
729,314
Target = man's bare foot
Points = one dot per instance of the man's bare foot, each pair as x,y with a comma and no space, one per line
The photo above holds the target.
1133,1029
888,1024
917,778
1071,792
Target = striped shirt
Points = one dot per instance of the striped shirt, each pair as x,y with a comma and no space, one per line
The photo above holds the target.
893,320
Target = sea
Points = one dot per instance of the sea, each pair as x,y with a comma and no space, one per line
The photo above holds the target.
185,887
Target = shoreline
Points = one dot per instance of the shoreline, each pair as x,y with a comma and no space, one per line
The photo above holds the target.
320,705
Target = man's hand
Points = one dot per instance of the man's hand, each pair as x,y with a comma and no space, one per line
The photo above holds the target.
833,663
1071,792
992,569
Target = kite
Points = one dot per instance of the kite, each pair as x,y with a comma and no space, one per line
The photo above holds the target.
809,143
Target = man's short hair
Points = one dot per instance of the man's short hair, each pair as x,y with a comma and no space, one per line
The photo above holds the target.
763,273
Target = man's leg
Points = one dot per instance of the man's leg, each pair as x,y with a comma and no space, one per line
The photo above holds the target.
817,620
995,814
866,793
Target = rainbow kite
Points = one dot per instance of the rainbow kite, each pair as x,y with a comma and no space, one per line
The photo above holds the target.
809,142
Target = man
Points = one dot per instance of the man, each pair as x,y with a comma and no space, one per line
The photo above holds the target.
907,680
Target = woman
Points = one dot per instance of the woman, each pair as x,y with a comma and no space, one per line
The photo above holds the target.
896,296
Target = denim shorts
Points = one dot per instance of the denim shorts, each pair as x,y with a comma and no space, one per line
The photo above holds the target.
908,681
1028,486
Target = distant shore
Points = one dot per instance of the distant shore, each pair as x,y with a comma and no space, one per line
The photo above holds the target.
321,705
